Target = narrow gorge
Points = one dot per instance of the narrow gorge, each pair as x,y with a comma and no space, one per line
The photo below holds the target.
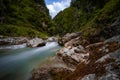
82,42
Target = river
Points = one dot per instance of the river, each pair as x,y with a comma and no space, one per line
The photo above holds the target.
17,62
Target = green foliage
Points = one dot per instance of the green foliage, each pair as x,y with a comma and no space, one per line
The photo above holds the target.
104,18
13,30
76,16
26,13
90,17
66,20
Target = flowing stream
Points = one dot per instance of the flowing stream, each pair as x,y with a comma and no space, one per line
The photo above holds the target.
17,64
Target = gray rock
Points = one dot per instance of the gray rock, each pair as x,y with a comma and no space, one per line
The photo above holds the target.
73,55
89,77
36,42
72,42
68,37
52,39
114,55
103,56
12,40
109,77
115,38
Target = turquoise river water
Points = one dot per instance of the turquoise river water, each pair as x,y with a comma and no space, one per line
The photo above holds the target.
17,62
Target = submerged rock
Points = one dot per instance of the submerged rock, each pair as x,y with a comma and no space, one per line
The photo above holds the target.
36,42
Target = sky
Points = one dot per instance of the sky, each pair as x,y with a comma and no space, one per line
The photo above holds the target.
56,6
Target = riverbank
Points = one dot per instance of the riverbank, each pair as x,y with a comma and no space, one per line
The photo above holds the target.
4,40
78,59
83,61
30,42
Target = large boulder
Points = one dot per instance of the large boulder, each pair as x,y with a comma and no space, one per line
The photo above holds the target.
36,42
68,37
72,42
73,55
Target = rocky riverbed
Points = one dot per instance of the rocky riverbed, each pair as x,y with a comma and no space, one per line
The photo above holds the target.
77,59
97,61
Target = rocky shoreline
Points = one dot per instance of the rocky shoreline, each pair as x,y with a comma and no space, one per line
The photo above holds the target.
97,61
12,40
30,42
77,59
